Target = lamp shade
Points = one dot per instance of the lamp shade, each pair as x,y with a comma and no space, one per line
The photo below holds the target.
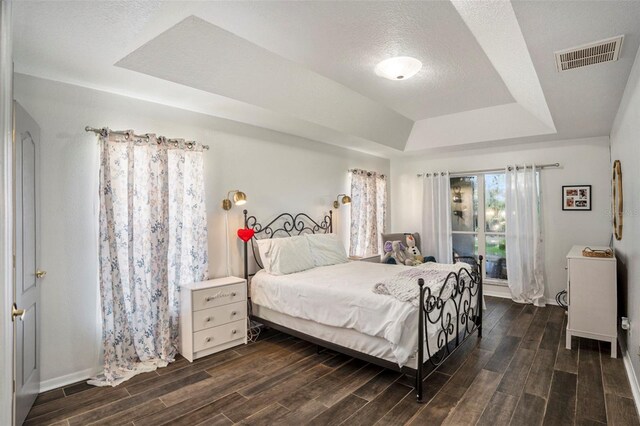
346,200
239,198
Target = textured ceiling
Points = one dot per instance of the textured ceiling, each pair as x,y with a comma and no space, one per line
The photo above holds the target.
201,55
583,101
344,41
306,68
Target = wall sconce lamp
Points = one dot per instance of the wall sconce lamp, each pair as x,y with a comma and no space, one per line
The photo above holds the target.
345,200
239,198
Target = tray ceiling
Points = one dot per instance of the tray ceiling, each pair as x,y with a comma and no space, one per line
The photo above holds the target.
306,68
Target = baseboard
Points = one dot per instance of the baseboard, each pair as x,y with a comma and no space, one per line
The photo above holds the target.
631,374
57,382
504,293
551,301
496,291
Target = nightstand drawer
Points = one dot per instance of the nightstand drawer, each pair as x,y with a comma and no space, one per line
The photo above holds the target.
215,336
214,317
218,296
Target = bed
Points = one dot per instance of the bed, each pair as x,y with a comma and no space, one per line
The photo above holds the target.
334,305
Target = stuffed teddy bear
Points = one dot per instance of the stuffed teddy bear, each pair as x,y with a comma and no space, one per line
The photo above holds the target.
396,251
413,252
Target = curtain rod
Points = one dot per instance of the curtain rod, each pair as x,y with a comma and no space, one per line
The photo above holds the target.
366,171
468,172
104,130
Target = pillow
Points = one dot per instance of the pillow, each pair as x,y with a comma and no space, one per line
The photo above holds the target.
281,256
326,249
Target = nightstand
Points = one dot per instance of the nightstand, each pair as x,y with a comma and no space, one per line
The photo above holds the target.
213,316
373,258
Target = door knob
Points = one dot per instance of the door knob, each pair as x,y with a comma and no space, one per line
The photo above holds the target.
40,274
17,313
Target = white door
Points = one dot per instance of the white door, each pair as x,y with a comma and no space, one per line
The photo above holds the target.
26,289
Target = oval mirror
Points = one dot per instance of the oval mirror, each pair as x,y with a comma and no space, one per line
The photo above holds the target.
617,201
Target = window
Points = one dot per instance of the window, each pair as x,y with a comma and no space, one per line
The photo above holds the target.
478,220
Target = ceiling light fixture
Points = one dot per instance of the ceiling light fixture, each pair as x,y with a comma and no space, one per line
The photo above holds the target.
399,68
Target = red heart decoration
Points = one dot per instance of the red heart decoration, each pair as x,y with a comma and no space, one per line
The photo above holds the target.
245,234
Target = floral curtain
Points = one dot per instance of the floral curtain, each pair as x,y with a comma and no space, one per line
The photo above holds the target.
153,238
368,212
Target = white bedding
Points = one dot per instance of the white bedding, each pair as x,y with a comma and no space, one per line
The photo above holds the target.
347,337
341,296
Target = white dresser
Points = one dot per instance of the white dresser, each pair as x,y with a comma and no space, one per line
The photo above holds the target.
592,297
213,316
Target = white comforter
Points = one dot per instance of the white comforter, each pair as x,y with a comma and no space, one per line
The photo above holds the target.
341,296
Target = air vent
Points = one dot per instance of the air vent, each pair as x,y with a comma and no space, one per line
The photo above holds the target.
593,53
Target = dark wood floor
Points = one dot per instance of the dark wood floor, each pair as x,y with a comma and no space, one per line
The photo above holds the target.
519,373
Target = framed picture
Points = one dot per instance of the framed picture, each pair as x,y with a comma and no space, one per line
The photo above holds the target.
576,197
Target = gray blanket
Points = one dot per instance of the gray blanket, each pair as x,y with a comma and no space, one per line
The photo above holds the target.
404,285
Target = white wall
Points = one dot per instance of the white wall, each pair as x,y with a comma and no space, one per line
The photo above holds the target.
278,173
6,216
583,161
625,146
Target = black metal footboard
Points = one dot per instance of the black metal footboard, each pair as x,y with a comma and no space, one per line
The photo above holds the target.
454,312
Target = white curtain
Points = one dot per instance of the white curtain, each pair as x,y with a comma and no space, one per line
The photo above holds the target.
368,212
525,248
153,238
436,217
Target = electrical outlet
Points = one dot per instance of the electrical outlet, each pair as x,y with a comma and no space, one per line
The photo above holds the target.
625,325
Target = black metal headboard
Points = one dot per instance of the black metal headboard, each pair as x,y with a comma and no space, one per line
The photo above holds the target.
284,225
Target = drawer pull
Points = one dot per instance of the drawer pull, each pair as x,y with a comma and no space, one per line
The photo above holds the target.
208,339
234,313
220,294
208,319
234,332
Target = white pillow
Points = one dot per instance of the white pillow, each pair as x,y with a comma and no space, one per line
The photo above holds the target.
281,256
326,249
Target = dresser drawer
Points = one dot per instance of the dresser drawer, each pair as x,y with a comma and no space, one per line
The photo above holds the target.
215,336
218,296
214,317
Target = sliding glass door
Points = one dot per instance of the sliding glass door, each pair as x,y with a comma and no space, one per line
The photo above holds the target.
478,221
